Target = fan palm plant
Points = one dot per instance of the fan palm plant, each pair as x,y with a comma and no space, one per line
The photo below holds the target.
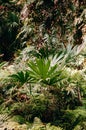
42,71
21,77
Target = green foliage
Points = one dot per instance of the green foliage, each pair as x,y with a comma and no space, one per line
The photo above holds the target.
19,119
9,24
53,28
73,118
35,106
46,101
21,77
49,24
81,126
42,71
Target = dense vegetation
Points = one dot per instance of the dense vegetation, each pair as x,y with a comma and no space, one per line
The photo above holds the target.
43,64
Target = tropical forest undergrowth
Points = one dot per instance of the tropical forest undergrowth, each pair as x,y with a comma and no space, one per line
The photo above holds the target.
43,64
